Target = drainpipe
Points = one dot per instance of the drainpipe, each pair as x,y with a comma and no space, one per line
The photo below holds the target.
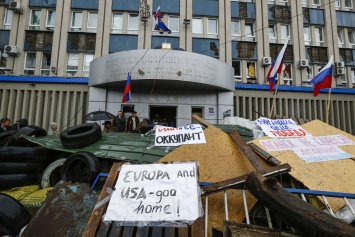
185,24
225,34
217,107
144,29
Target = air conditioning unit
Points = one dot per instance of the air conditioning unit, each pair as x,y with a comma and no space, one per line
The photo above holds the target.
11,50
266,61
16,6
340,71
339,64
304,63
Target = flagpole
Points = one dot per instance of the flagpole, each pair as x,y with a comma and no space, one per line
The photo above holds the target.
275,93
329,92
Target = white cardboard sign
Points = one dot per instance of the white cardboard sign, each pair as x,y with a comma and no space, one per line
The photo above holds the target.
305,142
276,128
324,153
156,192
189,134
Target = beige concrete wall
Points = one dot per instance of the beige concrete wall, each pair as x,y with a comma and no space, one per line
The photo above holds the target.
249,103
41,104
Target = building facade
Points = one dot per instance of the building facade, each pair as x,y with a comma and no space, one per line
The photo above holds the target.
61,38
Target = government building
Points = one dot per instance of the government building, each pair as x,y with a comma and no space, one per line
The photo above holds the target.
63,59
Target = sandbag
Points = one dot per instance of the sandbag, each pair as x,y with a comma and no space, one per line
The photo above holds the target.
34,200
21,192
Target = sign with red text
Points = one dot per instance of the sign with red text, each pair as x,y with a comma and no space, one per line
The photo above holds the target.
282,128
169,136
156,193
305,142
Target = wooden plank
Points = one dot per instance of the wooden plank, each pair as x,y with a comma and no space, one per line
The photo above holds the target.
115,230
128,231
264,154
235,229
247,151
183,232
298,213
202,121
103,229
142,231
157,232
238,182
96,216
198,228
169,232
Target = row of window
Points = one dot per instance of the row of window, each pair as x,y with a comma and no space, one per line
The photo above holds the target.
45,59
287,78
249,70
173,25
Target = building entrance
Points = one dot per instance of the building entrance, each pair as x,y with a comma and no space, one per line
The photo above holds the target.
163,114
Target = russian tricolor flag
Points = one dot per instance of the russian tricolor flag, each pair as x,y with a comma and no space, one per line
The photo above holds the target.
157,14
276,67
127,90
324,78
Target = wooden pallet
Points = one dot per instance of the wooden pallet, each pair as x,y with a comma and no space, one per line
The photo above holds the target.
95,226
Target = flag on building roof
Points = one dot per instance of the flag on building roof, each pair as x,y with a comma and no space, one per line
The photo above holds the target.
324,78
127,90
276,67
157,14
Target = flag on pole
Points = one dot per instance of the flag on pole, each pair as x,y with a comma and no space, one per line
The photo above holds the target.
276,67
160,25
127,90
157,14
324,78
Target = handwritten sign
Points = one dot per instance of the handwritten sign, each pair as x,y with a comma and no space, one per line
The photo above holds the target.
281,128
156,192
305,142
189,134
324,153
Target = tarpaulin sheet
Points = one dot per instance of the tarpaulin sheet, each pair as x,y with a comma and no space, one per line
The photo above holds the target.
117,146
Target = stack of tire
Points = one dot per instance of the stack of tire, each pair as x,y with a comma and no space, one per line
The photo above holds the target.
20,163
80,167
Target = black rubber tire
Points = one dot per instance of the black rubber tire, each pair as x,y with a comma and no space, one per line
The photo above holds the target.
82,167
4,137
8,181
20,167
81,135
25,154
13,216
52,174
31,130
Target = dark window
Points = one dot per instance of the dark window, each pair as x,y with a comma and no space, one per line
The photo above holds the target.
209,47
346,19
244,50
158,40
170,6
205,7
87,4
38,40
81,42
276,48
43,3
279,13
125,5
4,38
346,56
313,16
317,54
120,43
